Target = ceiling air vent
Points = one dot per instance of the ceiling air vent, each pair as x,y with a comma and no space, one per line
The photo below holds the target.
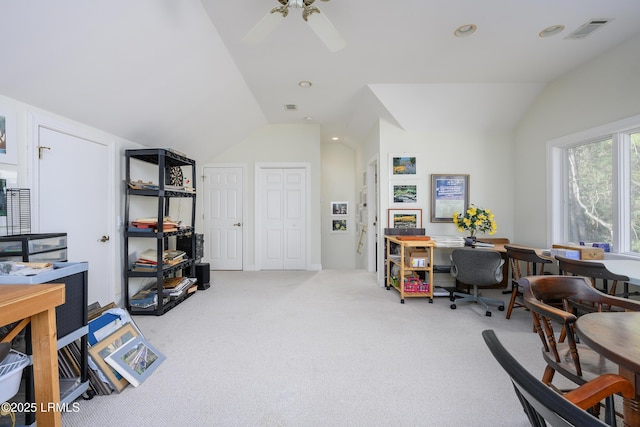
290,107
588,28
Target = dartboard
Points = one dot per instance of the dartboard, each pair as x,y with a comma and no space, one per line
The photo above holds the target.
175,175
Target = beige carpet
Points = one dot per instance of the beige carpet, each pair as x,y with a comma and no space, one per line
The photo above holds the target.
326,348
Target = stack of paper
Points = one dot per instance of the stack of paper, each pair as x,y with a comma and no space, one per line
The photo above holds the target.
448,241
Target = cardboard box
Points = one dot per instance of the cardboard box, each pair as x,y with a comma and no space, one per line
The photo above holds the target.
584,252
417,259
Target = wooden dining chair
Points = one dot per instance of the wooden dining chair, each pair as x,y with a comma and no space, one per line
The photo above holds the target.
542,404
575,361
597,272
524,261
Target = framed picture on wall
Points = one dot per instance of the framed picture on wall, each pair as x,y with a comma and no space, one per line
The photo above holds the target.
403,166
339,208
405,218
404,193
449,194
8,137
339,225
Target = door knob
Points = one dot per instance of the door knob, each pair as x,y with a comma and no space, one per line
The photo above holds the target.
103,239
237,224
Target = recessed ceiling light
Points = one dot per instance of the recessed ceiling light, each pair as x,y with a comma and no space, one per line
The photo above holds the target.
305,83
465,30
551,31
335,138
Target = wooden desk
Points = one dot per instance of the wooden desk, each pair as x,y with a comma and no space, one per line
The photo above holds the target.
617,337
38,302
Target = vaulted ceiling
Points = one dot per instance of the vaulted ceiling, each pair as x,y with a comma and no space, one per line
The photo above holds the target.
176,73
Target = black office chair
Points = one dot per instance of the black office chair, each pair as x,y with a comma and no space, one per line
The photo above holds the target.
544,405
477,268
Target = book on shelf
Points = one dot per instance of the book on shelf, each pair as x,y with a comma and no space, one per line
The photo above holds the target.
152,223
144,298
141,185
176,286
140,229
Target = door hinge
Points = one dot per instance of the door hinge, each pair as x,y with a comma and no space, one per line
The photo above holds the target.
40,148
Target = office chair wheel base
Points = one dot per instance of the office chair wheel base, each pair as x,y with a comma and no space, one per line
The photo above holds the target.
452,298
501,308
453,306
488,314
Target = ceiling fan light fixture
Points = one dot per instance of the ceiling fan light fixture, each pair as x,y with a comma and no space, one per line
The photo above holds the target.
551,31
465,30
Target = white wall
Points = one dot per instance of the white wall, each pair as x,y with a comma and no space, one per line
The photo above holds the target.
22,112
601,91
367,153
486,157
278,143
338,184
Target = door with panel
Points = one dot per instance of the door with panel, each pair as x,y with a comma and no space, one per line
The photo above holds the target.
223,217
74,196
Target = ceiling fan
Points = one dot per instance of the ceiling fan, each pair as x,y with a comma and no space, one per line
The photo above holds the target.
317,20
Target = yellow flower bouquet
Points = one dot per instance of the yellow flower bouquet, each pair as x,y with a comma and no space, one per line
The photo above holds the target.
475,220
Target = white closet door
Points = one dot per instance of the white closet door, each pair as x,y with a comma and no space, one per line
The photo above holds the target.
281,217
294,225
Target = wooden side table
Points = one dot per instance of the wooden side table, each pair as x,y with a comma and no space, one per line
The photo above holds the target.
38,302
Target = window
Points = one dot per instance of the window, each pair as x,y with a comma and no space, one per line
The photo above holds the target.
634,189
595,187
589,184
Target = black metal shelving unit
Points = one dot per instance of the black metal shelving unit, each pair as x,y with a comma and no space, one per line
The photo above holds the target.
165,160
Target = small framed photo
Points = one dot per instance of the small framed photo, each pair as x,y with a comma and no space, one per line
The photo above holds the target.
136,360
405,218
403,166
449,194
102,349
404,193
339,208
339,225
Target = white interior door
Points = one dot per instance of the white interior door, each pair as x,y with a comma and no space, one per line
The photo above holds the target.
73,176
282,218
223,217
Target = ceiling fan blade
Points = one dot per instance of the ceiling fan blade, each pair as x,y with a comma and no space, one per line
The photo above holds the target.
324,29
263,28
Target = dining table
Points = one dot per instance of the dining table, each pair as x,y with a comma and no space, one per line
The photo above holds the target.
616,336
